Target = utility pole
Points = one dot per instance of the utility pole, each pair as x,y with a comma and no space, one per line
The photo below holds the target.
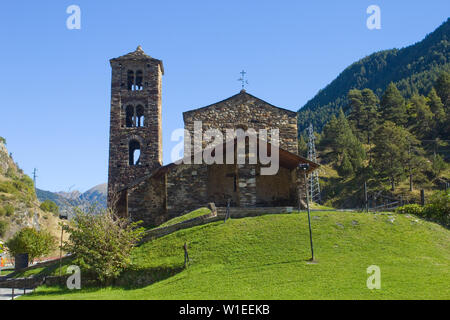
366,201
313,182
409,165
34,177
305,168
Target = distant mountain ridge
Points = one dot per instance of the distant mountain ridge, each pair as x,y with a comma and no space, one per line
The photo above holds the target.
413,69
95,196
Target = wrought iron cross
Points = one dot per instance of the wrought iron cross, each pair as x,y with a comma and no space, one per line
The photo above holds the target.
242,79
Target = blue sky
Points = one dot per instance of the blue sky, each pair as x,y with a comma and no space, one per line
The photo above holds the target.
55,82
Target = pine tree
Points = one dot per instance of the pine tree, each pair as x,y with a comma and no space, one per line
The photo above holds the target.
302,146
442,87
437,108
391,151
423,123
392,106
345,168
339,136
364,112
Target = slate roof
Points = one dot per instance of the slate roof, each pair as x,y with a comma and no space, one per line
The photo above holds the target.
243,94
138,55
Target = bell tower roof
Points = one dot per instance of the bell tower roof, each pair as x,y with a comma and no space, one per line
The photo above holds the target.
138,55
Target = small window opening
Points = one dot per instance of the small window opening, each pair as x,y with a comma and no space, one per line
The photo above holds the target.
139,80
139,116
129,116
130,80
134,153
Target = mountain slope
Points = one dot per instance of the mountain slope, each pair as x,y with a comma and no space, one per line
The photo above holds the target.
266,257
19,206
412,69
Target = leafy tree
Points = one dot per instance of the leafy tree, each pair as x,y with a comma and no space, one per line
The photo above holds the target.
102,243
49,206
392,105
28,240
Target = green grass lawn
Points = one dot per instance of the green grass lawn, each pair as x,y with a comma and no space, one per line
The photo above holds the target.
266,258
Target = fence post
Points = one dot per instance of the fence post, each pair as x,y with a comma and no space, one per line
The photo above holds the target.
366,202
422,197
186,255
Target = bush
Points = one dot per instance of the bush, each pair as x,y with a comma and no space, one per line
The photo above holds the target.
438,208
410,209
27,181
28,240
8,210
11,173
2,140
3,227
102,243
7,187
49,206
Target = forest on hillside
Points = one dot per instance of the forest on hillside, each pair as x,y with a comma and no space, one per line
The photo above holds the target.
398,143
412,69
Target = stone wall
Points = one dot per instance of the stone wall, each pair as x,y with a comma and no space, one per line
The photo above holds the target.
276,190
149,135
246,111
147,201
186,188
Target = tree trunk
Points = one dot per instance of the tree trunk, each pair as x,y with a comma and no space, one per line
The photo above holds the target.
410,182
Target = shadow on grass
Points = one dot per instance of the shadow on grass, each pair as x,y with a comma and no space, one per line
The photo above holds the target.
46,270
129,280
134,279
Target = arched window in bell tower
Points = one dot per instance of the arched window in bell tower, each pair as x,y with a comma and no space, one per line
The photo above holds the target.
139,80
139,116
129,116
130,80
134,149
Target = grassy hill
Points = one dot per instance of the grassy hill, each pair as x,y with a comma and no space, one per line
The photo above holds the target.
412,69
266,257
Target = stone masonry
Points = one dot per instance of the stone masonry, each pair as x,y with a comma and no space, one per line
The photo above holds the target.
136,93
141,188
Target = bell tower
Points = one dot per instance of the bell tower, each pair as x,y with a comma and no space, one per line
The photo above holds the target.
135,136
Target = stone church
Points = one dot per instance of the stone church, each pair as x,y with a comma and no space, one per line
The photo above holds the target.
142,188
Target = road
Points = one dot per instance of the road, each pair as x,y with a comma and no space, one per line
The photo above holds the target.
5,294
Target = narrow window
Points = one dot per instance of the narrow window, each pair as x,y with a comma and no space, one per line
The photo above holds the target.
139,80
134,149
139,116
130,80
129,116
